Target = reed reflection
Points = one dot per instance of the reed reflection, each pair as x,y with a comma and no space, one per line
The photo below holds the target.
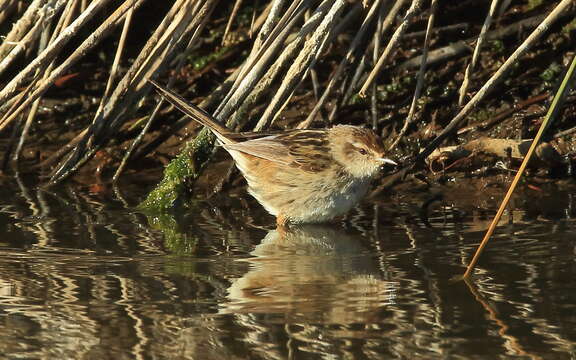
84,277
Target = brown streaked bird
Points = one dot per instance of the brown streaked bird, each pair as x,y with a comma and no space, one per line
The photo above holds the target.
299,176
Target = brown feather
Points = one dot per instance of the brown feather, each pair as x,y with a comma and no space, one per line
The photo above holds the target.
195,113
293,148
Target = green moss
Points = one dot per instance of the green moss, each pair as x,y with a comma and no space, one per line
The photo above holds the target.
356,99
569,27
552,72
400,85
183,169
394,87
449,90
433,90
482,115
533,4
408,81
497,46
200,62
244,17
182,266
176,240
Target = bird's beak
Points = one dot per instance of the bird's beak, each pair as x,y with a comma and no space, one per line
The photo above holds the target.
388,161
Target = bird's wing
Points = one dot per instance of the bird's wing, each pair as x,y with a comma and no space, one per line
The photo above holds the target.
303,149
265,147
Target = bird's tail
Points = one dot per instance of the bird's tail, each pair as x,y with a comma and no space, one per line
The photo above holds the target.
194,112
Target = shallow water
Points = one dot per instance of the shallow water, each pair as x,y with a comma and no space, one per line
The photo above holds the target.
83,276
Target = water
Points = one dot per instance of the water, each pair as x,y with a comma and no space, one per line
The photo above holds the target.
82,276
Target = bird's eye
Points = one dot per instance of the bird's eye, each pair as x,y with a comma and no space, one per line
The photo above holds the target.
362,151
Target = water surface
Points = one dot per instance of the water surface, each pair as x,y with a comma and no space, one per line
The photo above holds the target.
84,276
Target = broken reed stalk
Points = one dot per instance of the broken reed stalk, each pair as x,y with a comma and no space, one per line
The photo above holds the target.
21,26
231,20
468,73
497,78
152,41
117,57
181,61
392,45
63,22
152,58
348,58
375,52
349,87
51,51
275,30
420,82
328,12
557,13
552,111
25,43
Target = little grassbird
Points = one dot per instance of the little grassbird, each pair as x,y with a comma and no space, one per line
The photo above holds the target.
299,176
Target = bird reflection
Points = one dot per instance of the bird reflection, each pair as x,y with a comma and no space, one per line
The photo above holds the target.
312,271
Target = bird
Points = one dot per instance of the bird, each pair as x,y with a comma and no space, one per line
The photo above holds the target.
298,175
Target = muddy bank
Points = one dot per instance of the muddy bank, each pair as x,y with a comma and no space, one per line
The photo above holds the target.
67,137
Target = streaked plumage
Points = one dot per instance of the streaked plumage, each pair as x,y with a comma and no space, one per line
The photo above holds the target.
300,176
